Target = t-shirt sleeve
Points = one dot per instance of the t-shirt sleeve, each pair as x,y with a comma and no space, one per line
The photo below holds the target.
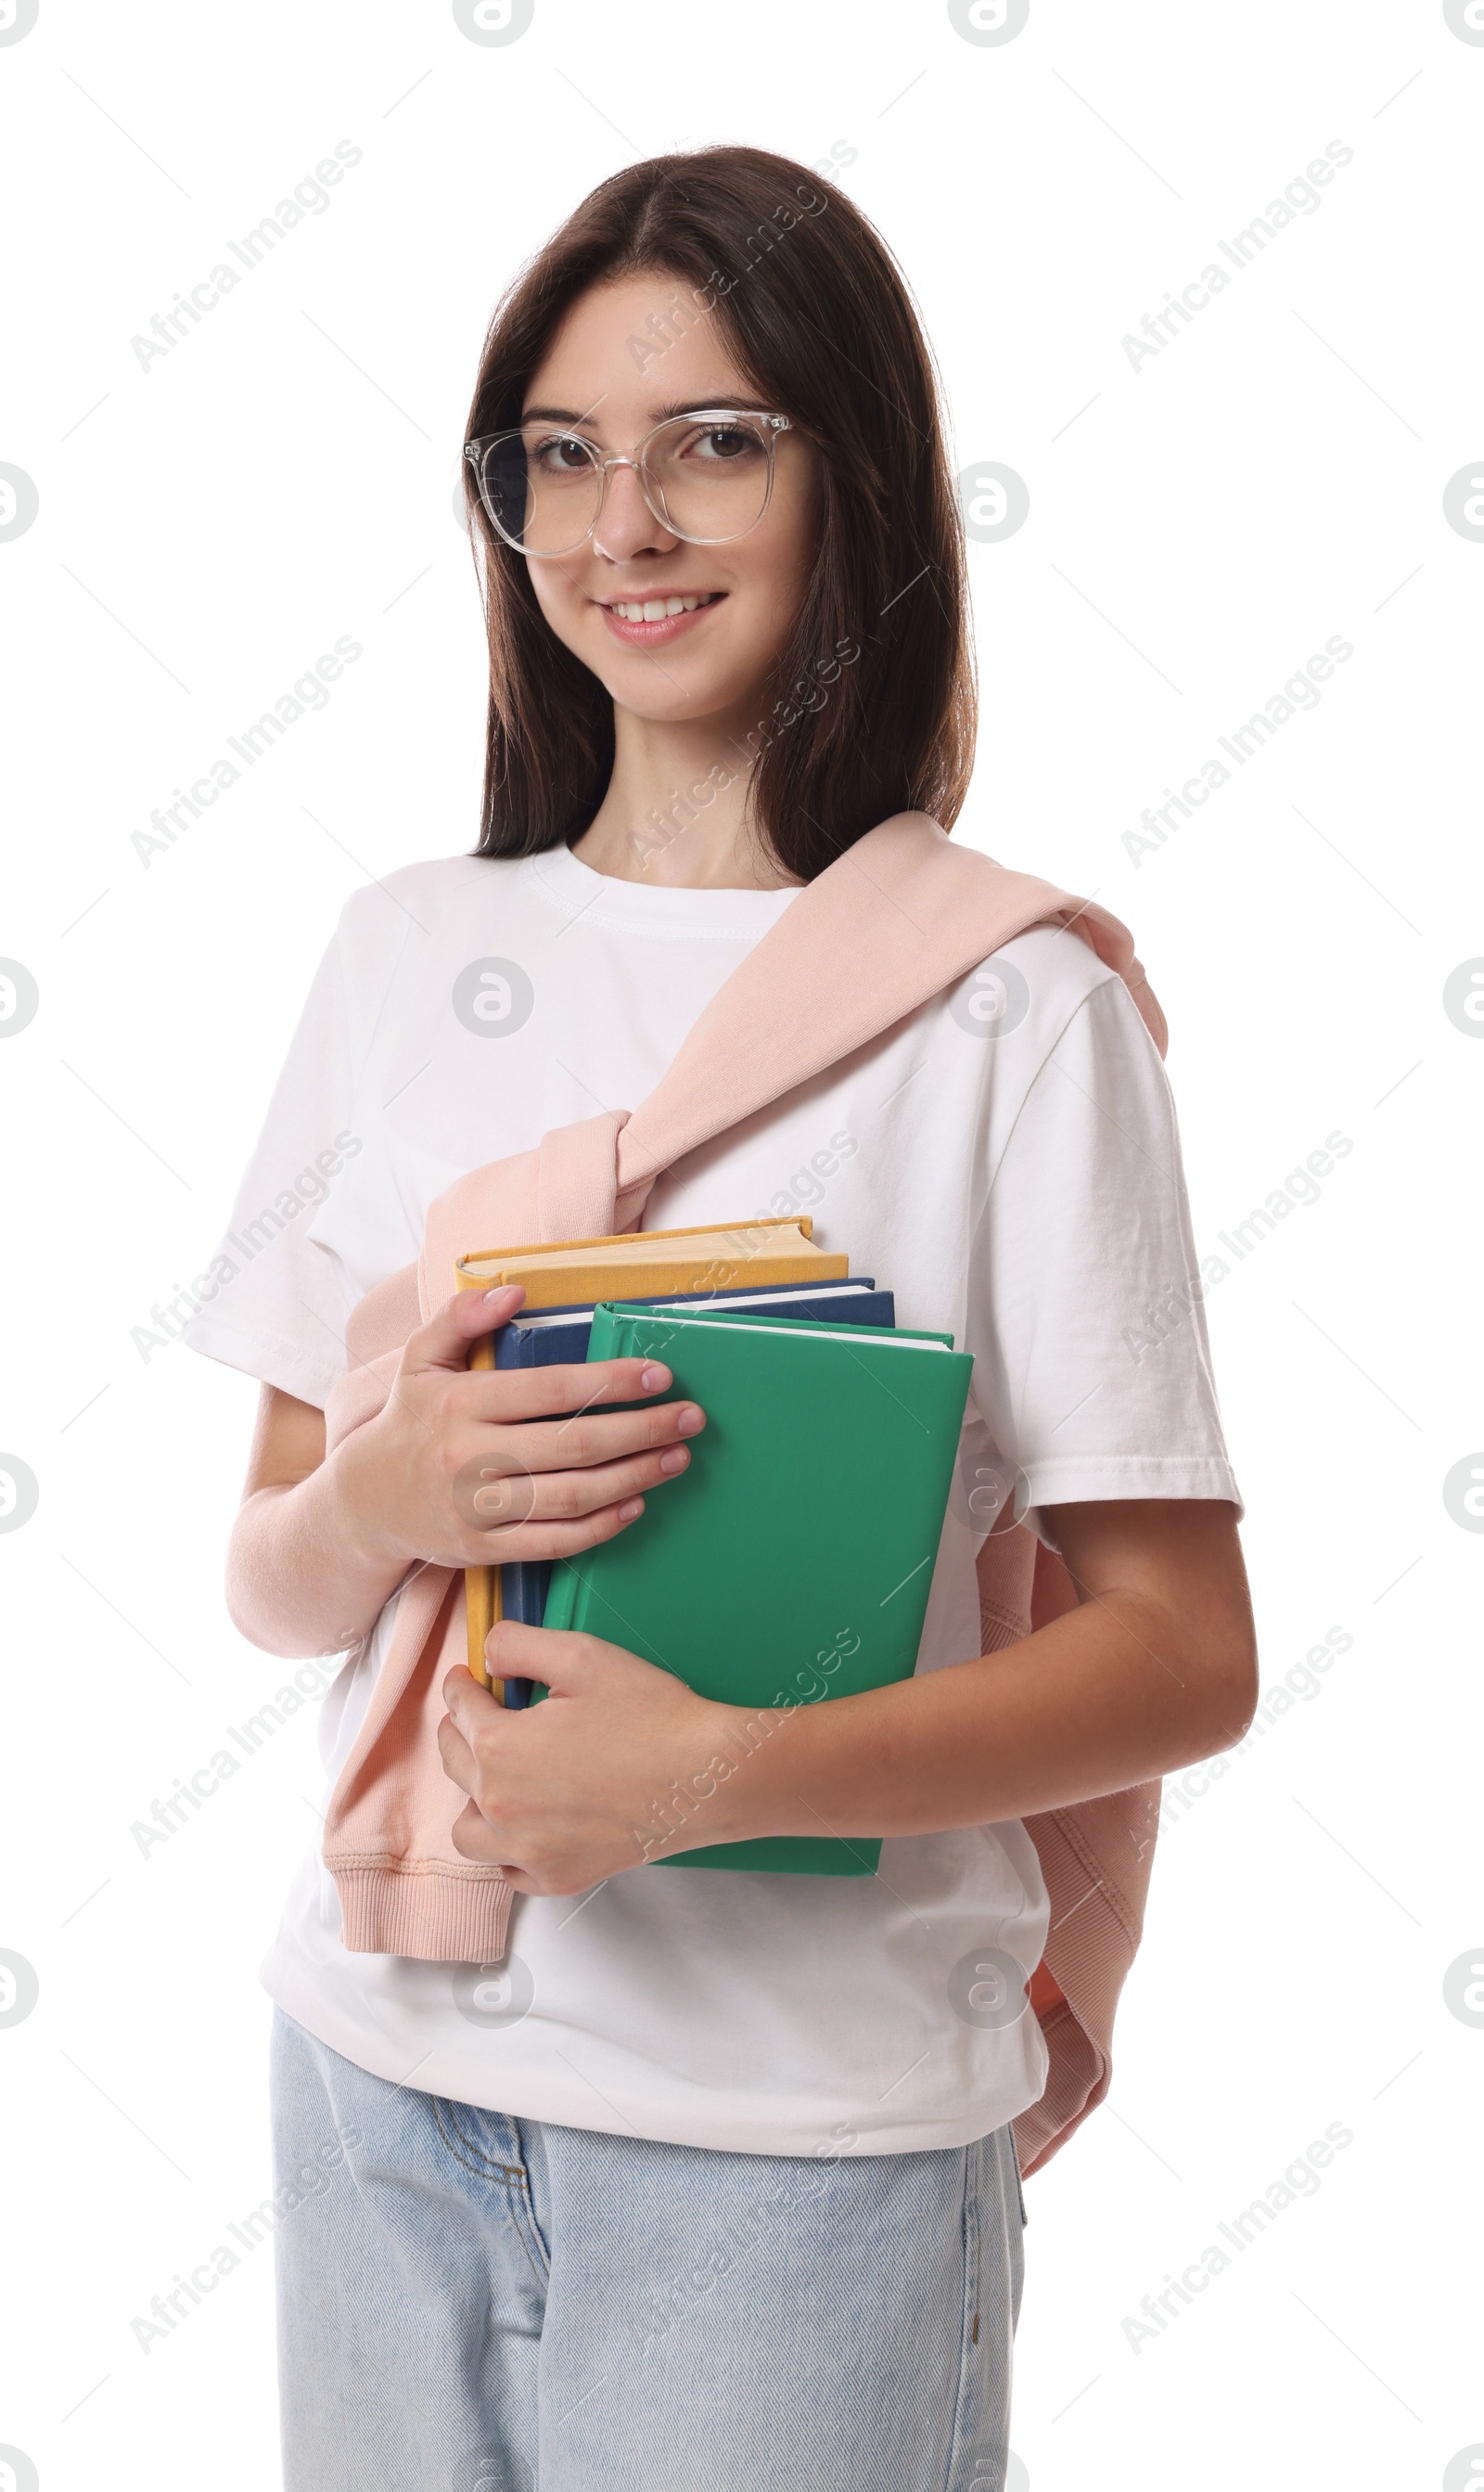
277,1301
1092,1368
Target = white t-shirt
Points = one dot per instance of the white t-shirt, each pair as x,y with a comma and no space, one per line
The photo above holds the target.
1021,1190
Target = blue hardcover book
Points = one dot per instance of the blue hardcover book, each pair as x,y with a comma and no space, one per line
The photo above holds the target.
557,1337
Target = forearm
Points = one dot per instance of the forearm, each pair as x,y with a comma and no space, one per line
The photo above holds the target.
302,1577
1103,1697
628,1765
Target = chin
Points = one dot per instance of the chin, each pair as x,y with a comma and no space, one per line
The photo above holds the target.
662,687
676,707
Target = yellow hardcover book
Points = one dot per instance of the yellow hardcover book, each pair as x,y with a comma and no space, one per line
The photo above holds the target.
654,1262
481,1584
642,1263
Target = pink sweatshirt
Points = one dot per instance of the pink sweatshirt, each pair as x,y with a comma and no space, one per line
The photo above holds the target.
895,919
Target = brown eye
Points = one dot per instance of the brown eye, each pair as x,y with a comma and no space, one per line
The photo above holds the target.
723,443
562,455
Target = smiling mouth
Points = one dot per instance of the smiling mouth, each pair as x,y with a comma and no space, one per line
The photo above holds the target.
657,609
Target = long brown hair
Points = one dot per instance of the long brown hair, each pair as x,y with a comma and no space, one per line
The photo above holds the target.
875,706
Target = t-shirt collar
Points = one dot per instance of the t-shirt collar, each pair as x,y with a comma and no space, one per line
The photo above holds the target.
603,899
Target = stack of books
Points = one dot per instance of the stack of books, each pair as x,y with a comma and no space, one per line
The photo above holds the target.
791,1563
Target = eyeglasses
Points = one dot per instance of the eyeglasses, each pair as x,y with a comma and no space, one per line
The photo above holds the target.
706,477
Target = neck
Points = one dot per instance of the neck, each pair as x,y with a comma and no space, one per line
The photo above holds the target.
677,811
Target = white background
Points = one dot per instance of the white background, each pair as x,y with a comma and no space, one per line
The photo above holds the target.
1198,527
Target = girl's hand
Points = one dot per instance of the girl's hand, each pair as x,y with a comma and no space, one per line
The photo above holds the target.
449,1471
620,1764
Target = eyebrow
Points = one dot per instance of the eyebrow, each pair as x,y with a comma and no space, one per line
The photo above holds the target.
722,402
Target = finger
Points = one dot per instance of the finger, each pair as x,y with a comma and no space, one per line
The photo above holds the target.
459,1760
476,1839
494,1494
444,1341
539,1542
495,1490
552,1392
559,1659
551,1445
473,1712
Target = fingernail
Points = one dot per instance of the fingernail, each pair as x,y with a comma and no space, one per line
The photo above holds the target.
655,1378
675,1460
630,1506
506,1290
690,1420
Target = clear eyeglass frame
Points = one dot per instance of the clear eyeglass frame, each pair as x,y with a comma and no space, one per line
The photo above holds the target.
477,452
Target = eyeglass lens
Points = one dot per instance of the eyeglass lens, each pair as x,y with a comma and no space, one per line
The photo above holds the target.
544,487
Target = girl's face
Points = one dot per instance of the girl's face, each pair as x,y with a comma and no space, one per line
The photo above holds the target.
610,375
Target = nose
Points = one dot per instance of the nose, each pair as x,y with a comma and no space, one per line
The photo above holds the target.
628,525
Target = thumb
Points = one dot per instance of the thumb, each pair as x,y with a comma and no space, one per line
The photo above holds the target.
444,1340
558,1657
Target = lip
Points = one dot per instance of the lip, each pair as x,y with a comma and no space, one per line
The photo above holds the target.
670,627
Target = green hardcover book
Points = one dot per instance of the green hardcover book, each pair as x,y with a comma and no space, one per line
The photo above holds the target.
794,1558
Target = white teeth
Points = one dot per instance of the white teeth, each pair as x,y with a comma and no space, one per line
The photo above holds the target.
656,610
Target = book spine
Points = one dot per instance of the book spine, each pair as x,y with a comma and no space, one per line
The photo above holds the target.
558,1346
561,1600
567,1598
524,1588
481,1584
606,1336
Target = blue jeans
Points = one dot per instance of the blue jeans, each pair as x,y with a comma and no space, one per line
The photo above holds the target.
474,2304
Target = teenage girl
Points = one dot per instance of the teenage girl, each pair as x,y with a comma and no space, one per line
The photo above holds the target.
712,2182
